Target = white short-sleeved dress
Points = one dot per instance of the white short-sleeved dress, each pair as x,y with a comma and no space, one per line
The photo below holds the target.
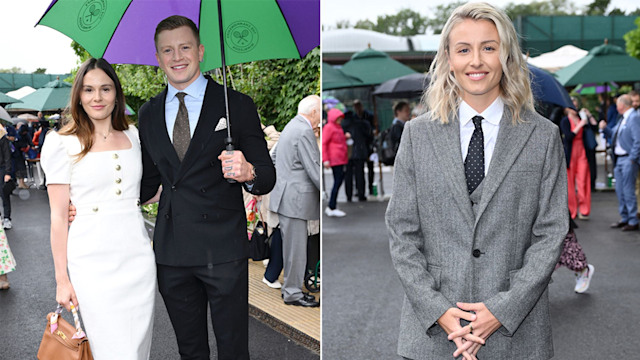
110,260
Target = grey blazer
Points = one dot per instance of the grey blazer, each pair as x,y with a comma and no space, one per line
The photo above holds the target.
500,251
297,159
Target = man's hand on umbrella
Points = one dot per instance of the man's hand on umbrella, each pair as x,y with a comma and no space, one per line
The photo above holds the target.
235,166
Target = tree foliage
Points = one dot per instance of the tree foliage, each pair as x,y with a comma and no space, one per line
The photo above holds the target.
404,23
598,7
632,40
13,70
541,8
276,86
40,71
441,15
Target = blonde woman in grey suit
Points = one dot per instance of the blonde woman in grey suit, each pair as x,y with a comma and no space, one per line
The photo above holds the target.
479,207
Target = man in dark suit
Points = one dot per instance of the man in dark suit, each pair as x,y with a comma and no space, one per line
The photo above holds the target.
200,238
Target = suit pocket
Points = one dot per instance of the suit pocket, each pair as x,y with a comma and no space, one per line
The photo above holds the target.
435,272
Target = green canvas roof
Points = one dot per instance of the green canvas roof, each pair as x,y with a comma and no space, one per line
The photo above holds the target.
374,67
333,78
603,63
10,82
54,96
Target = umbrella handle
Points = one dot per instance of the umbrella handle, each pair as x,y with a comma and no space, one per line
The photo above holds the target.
229,147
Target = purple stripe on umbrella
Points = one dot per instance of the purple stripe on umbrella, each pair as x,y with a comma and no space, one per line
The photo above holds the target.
303,21
135,33
49,8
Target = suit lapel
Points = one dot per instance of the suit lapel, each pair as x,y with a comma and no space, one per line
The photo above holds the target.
511,139
204,129
446,147
160,129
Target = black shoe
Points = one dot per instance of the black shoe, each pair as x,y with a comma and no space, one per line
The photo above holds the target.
303,302
362,199
305,296
631,227
618,225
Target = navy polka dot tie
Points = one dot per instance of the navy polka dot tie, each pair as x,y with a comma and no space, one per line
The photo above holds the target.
474,163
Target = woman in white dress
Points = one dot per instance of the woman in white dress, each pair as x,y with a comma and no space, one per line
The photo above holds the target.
94,161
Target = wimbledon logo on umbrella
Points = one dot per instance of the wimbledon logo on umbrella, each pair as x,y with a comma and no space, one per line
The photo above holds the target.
91,14
241,36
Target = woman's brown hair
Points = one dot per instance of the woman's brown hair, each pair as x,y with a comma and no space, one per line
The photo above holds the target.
78,122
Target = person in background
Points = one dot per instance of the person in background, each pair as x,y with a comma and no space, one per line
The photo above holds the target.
366,115
402,114
334,156
7,261
625,146
22,144
296,195
574,259
5,175
359,131
578,173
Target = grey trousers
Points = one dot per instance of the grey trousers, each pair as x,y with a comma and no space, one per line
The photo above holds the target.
294,256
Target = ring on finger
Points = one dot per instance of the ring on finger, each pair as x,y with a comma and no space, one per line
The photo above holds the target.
470,329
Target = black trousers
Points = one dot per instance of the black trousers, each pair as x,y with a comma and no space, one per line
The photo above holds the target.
225,287
355,168
370,176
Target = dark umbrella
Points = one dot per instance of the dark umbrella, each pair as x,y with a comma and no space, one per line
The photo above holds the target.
407,86
546,88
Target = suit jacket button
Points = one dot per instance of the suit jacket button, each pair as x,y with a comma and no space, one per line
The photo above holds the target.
167,216
476,253
173,187
203,189
204,216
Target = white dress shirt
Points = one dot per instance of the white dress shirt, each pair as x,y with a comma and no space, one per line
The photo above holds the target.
490,126
193,101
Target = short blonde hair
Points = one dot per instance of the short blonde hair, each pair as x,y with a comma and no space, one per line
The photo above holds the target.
443,96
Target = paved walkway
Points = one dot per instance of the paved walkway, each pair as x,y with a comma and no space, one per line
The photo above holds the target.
362,295
276,331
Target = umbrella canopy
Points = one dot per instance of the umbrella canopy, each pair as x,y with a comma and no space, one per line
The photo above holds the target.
603,63
333,78
374,67
4,115
123,31
546,88
53,96
28,117
593,88
6,99
407,86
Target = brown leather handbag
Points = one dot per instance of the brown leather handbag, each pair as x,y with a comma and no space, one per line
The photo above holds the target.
62,341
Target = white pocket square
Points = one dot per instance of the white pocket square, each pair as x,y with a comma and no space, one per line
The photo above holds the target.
222,124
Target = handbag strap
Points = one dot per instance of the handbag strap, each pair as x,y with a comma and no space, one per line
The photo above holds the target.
76,319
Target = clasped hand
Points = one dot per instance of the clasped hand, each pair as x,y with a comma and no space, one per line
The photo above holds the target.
469,338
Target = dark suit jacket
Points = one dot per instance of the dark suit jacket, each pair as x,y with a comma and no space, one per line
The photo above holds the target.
201,217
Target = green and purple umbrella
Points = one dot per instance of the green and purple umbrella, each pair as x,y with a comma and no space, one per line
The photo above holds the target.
121,31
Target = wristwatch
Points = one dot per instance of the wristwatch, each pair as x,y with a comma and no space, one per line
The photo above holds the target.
253,176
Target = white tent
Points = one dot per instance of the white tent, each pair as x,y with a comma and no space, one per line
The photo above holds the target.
22,92
354,40
559,58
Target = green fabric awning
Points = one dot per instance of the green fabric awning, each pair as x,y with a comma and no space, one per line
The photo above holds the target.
603,63
333,78
53,96
374,67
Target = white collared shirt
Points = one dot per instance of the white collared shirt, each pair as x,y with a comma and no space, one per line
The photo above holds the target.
490,126
619,150
193,101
